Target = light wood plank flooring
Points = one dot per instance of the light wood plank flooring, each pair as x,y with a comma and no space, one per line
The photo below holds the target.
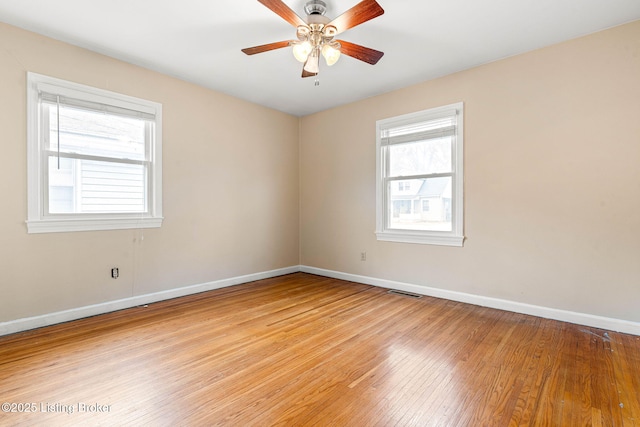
306,350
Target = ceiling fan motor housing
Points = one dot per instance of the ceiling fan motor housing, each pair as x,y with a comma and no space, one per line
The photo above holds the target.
315,7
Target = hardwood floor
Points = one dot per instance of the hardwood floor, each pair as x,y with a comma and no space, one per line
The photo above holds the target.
308,350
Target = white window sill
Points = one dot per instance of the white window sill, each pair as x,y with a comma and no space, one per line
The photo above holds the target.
94,224
420,238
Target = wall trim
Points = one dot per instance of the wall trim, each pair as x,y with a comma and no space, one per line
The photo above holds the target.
591,320
20,325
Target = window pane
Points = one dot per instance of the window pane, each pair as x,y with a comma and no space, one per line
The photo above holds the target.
420,204
96,133
419,158
86,186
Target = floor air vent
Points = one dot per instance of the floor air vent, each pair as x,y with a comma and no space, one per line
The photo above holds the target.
404,294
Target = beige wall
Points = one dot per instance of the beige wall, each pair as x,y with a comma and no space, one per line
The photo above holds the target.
552,184
552,180
230,178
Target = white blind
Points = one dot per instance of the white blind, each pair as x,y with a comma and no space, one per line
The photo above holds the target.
66,101
94,101
442,125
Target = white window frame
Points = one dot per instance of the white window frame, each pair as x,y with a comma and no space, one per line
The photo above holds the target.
455,237
39,221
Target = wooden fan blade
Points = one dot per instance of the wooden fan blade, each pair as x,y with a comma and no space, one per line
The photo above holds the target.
305,73
362,12
368,55
265,47
283,11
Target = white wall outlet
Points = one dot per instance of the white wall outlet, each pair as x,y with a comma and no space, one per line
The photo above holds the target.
363,256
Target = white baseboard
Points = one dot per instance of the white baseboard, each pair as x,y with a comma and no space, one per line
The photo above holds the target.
20,325
601,322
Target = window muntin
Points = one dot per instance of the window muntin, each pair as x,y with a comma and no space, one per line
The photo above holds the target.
419,189
94,158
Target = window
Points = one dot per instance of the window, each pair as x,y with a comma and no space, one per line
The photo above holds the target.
420,177
94,158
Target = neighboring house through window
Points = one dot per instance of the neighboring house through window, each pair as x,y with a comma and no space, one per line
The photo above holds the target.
419,193
94,158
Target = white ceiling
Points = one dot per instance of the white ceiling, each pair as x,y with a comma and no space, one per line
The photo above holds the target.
200,40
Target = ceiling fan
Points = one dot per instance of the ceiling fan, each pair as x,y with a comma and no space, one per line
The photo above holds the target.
315,36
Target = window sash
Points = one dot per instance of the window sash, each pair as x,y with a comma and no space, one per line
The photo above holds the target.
387,181
46,126
147,197
448,163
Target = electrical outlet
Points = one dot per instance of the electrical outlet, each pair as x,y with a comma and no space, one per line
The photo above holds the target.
363,256
115,272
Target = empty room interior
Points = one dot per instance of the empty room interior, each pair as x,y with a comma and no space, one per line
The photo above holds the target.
428,214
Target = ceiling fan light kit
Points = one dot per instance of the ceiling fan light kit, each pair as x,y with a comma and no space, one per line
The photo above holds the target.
315,36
